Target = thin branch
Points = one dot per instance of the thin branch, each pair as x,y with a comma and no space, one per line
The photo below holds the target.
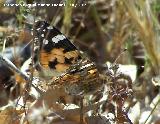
7,62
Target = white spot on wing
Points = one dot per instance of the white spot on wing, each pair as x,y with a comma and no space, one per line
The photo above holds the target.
36,47
50,27
38,29
42,35
58,38
87,65
45,41
35,38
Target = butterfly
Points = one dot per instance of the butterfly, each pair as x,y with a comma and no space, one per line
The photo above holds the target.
58,61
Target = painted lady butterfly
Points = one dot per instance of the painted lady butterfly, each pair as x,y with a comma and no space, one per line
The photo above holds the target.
58,62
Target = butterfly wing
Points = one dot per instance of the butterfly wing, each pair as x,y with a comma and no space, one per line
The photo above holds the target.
53,51
54,54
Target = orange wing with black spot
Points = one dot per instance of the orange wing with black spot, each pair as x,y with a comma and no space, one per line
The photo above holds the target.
53,51
59,62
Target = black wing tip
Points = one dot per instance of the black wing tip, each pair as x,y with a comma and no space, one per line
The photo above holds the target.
52,31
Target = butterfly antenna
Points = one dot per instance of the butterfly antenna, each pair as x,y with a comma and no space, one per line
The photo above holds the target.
121,53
